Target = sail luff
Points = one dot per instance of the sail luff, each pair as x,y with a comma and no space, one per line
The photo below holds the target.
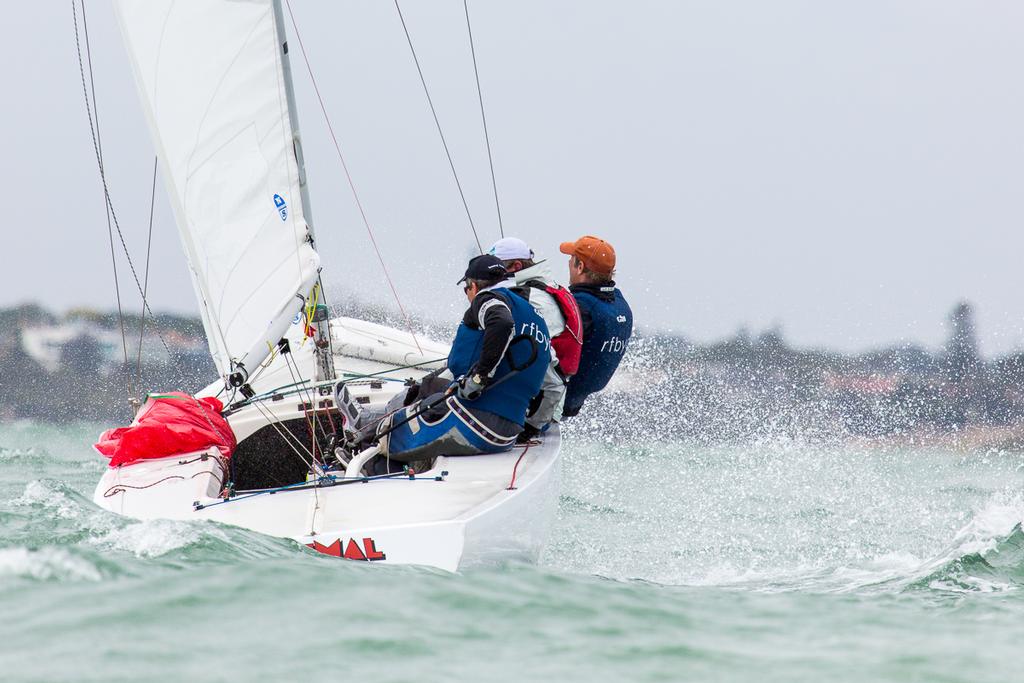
289,89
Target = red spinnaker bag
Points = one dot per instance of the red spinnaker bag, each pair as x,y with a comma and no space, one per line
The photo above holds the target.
169,424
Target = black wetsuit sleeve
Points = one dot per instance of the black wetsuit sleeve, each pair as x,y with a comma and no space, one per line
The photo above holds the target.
490,313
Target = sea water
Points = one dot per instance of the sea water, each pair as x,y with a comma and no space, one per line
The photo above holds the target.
768,561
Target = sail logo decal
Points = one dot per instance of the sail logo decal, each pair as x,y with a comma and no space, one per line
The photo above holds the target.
366,552
282,206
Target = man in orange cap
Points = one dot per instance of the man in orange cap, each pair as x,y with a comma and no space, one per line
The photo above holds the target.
607,318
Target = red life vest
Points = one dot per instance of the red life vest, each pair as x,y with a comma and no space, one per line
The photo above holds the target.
569,343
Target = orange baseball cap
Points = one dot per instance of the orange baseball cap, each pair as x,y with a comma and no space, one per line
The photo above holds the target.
596,254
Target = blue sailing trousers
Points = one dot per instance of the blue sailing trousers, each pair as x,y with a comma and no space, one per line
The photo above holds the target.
448,429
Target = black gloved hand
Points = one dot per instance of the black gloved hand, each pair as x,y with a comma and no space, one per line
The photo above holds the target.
412,393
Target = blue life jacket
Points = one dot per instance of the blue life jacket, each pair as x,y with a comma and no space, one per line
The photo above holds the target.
512,397
604,344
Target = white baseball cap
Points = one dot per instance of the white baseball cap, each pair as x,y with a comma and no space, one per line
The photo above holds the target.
510,249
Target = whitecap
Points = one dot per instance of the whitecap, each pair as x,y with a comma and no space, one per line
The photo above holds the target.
151,538
47,564
50,497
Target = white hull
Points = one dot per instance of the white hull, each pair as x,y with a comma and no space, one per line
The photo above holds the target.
468,516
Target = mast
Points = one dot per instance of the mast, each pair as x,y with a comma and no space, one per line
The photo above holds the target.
324,369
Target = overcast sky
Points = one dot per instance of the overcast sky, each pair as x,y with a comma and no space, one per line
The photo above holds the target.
845,170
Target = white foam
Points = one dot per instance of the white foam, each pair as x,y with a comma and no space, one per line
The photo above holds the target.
994,522
18,453
45,564
151,538
728,575
62,506
980,536
970,584
40,493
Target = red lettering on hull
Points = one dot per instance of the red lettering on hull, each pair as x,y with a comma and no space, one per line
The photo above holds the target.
367,553
371,550
332,549
353,551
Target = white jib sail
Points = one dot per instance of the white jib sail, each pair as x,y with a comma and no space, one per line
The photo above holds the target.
211,79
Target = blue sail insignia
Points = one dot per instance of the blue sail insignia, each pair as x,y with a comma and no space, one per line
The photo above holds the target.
282,206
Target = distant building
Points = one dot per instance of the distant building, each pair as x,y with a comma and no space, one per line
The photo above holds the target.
52,345
961,354
45,343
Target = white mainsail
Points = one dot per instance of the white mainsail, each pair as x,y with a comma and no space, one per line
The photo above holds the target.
211,76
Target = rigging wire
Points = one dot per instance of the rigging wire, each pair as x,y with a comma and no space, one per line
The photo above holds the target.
90,105
145,277
437,121
94,127
309,398
268,415
311,422
348,177
349,377
321,482
483,117
99,160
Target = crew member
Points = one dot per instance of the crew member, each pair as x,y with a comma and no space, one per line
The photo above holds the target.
500,354
558,308
607,318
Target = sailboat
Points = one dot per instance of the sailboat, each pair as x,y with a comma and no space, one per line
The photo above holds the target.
214,80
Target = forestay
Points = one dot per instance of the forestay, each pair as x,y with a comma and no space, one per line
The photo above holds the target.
212,81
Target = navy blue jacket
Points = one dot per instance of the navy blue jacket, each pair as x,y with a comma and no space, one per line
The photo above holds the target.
482,345
607,327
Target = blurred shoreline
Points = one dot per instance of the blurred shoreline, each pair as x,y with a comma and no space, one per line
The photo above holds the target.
77,366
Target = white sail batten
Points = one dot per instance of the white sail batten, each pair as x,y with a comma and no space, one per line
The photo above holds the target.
211,79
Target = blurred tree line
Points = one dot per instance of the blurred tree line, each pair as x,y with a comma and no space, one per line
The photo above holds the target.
742,388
